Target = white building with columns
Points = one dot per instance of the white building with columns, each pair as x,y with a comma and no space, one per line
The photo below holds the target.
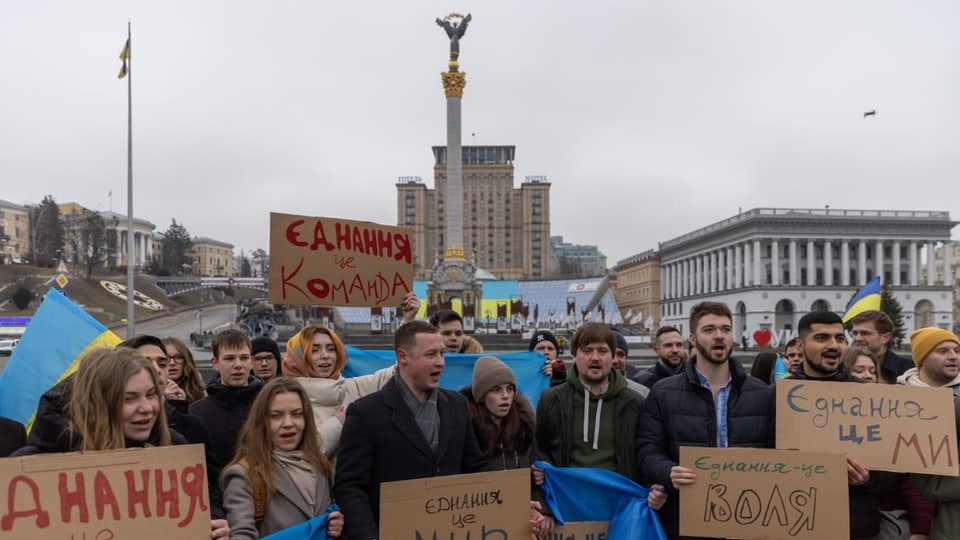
773,265
116,227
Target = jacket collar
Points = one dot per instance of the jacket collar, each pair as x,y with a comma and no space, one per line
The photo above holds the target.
403,419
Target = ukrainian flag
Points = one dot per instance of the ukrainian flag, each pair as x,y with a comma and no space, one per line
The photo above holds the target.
867,299
58,336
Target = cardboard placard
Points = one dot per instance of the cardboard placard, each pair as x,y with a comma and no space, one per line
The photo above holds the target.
492,505
143,493
320,261
580,530
764,493
883,426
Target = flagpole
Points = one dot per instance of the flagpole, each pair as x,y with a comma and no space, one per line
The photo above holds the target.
130,246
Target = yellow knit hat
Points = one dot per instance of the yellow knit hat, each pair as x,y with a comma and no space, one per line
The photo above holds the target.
924,340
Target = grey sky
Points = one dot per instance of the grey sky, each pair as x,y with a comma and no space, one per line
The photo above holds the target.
650,118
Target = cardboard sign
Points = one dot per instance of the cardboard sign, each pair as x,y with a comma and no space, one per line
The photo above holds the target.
490,505
142,493
338,262
883,426
580,530
764,493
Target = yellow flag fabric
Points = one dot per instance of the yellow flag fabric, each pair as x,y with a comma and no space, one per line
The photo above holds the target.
866,299
124,55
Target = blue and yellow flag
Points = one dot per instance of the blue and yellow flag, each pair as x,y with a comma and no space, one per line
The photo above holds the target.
780,369
58,336
312,529
867,299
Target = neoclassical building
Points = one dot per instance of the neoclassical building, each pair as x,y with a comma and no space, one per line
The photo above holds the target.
637,286
14,230
773,265
116,226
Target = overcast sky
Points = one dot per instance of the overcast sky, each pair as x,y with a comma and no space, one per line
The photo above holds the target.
650,119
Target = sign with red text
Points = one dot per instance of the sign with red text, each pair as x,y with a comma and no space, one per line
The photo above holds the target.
580,530
143,493
491,505
320,261
882,426
764,493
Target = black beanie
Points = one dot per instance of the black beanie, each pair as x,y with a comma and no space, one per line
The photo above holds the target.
541,335
265,344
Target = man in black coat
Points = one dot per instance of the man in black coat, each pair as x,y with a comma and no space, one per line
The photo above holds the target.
409,429
668,346
681,410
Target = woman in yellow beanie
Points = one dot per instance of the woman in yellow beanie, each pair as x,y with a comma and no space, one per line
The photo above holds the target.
316,356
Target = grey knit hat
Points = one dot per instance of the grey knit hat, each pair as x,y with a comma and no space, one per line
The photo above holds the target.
488,372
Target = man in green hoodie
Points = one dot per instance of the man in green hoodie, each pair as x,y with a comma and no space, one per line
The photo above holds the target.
591,419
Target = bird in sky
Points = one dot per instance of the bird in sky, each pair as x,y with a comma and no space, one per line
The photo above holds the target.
870,113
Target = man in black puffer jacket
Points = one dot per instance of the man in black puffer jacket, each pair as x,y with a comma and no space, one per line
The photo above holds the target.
682,410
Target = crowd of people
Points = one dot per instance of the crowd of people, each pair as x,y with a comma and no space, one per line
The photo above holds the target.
287,435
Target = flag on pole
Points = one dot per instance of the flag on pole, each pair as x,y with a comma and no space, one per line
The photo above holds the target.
124,55
617,319
58,336
648,324
866,299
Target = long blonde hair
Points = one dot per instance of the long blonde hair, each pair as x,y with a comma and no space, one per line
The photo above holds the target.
97,397
189,380
255,446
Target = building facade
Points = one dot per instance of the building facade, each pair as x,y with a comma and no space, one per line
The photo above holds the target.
637,287
116,237
211,258
947,255
506,230
773,265
14,231
575,260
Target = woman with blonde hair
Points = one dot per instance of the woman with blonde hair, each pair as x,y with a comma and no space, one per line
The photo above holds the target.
183,371
278,461
316,357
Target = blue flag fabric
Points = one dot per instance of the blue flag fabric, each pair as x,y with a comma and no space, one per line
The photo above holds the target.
780,370
867,299
583,494
458,369
312,529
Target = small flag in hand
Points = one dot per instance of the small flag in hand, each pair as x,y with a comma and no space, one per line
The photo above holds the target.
124,55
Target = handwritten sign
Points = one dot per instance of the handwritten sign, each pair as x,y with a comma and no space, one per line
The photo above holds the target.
580,530
491,505
338,262
764,493
144,493
887,427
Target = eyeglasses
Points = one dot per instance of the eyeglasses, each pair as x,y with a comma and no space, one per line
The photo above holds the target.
177,358
265,358
161,361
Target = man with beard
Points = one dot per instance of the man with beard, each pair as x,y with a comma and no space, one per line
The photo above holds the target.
936,351
873,330
824,342
711,403
668,347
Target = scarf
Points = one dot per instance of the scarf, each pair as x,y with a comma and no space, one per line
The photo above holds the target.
301,472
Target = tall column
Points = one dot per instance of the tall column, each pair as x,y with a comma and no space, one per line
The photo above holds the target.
845,263
757,259
453,83
896,264
120,245
931,275
811,264
775,263
737,266
878,259
861,263
149,246
747,265
683,278
914,264
794,266
827,263
730,264
947,271
714,271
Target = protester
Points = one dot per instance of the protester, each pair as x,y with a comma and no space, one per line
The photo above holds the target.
316,356
12,436
266,358
668,346
765,366
503,421
824,342
712,403
862,364
230,393
182,370
620,364
936,353
450,324
793,353
115,403
944,491
544,342
874,329
278,459
591,419
395,433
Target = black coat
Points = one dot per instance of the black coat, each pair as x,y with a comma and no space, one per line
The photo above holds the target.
224,410
195,431
679,412
864,500
892,365
12,436
381,442
651,375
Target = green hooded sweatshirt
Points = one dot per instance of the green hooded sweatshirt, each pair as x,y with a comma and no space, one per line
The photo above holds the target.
594,422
